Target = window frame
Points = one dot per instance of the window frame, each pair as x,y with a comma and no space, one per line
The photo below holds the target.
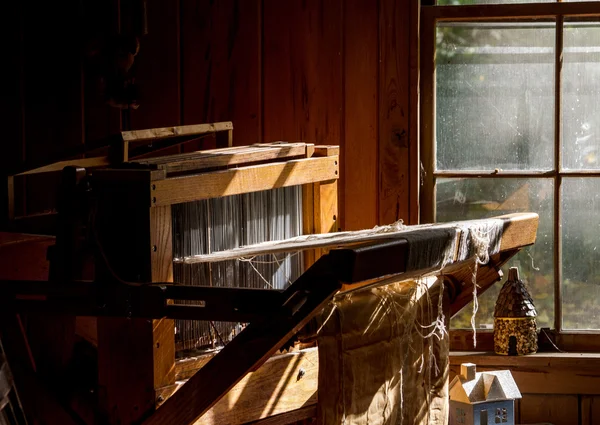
430,16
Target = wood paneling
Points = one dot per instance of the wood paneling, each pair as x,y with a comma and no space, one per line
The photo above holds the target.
100,20
394,128
157,66
302,71
556,409
11,101
359,153
220,65
590,410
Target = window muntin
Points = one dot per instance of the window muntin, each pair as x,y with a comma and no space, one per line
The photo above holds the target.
469,198
571,52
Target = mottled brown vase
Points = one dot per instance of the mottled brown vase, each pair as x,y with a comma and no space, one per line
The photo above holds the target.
515,328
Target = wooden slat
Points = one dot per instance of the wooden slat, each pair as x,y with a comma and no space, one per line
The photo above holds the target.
556,409
308,220
100,161
308,412
202,160
163,330
394,127
302,71
414,107
221,73
177,131
325,214
359,150
427,120
243,180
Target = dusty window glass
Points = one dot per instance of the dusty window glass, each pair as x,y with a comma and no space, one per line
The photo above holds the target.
580,227
581,96
471,198
495,96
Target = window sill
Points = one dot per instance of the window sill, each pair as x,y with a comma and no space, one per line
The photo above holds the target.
557,360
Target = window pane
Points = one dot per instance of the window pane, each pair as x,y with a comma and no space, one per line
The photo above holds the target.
495,96
463,199
581,96
580,227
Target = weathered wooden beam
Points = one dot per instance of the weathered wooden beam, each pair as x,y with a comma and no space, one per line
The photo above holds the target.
281,387
178,131
220,158
250,349
243,180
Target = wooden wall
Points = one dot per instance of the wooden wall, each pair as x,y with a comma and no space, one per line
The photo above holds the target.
327,72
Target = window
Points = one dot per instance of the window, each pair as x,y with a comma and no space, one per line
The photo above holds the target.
460,415
511,123
501,416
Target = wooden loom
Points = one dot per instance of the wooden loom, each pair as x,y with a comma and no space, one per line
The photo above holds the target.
136,356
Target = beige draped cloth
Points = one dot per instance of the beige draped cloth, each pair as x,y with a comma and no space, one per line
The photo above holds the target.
382,360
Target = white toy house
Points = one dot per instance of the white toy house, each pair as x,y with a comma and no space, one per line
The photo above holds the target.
483,398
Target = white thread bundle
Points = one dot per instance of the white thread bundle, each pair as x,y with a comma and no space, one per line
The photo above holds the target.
219,224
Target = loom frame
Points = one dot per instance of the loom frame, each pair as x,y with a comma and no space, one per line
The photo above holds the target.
136,200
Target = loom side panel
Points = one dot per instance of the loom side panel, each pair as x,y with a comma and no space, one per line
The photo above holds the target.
135,356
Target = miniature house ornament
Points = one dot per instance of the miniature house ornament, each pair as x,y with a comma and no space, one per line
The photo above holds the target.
515,330
482,398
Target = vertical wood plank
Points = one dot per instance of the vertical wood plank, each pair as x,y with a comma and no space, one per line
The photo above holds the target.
394,125
414,112
135,356
556,409
52,91
101,20
302,71
359,155
590,410
163,330
157,69
11,104
221,65
308,220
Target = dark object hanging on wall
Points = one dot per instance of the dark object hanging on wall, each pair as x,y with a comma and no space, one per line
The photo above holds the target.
111,61
515,329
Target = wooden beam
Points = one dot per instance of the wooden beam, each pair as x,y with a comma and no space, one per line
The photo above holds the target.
219,158
250,349
178,131
100,161
294,416
135,356
243,180
284,384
